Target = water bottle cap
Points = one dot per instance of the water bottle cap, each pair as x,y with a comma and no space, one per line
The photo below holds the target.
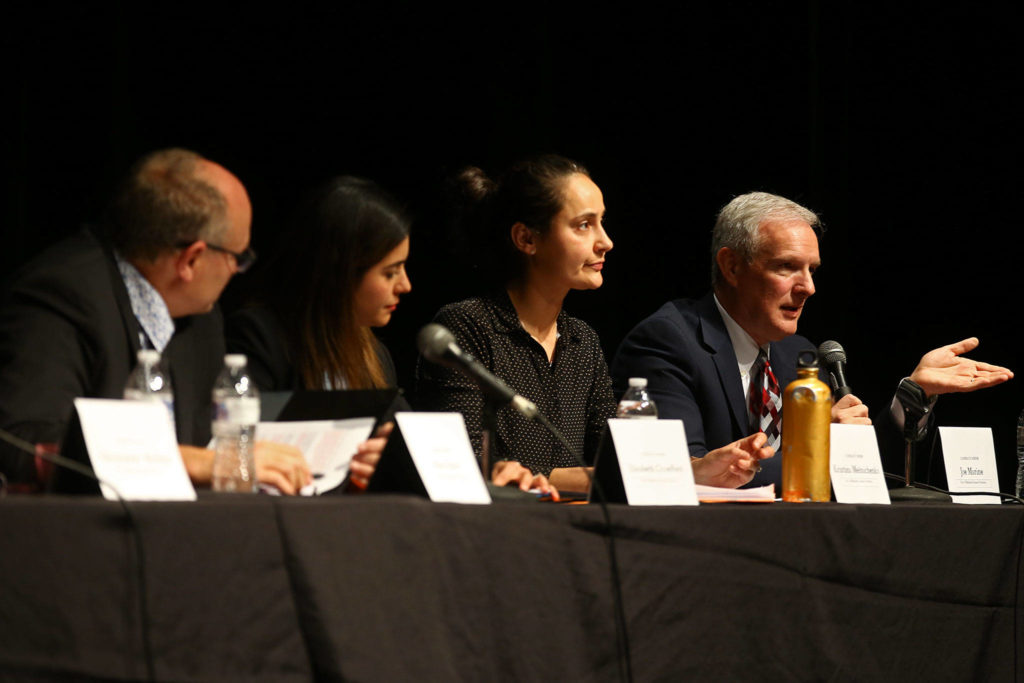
640,382
235,360
807,359
148,356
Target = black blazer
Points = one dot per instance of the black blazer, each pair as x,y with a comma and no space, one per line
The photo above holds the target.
67,331
257,332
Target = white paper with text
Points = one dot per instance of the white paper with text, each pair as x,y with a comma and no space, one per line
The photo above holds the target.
327,445
654,461
440,449
969,455
856,466
132,446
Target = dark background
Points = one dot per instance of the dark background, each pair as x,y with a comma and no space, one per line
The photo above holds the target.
899,126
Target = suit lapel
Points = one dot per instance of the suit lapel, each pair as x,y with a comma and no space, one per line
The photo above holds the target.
716,338
783,360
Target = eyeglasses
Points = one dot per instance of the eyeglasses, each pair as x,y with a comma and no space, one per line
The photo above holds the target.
243,259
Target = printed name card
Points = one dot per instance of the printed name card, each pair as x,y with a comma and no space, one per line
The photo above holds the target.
856,466
133,447
969,455
444,459
654,461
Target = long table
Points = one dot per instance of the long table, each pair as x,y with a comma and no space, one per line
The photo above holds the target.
395,588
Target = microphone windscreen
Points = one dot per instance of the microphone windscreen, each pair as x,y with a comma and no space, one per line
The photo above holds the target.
434,341
832,352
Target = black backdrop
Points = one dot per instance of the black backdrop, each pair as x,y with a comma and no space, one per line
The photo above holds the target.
898,126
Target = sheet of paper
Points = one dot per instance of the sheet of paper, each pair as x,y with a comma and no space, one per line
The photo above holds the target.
440,448
856,465
327,445
132,445
969,455
715,494
654,461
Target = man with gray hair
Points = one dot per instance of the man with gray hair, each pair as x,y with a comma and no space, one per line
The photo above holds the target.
720,363
73,319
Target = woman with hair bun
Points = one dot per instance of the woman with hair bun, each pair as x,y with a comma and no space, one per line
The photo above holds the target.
543,234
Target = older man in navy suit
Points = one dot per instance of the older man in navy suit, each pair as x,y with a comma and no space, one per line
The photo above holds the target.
719,363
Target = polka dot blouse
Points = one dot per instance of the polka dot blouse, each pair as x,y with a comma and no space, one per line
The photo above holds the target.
574,391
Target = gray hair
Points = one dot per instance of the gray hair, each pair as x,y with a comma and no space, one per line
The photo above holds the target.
738,222
162,204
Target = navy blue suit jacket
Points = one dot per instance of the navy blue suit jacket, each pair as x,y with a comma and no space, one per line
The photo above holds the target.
685,352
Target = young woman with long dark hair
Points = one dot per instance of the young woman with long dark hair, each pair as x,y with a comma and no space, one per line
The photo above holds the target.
341,273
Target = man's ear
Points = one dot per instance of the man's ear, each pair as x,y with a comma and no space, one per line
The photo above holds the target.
185,261
728,263
524,239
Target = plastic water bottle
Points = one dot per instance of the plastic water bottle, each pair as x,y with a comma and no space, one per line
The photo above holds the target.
236,410
1020,455
636,403
150,382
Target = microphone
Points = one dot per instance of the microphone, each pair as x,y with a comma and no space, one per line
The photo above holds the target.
835,357
438,345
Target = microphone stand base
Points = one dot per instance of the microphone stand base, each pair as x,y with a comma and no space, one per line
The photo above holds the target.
510,494
912,494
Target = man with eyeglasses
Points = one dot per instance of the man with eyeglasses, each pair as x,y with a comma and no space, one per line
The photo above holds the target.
74,318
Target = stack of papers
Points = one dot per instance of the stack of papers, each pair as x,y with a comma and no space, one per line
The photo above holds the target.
713,494
327,445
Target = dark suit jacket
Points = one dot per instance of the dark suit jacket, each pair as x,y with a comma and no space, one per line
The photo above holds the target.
67,331
257,332
685,352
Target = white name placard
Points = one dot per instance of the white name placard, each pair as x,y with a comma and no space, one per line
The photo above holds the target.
132,445
856,465
654,461
969,455
440,449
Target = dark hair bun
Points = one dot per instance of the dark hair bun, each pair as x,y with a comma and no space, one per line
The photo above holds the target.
482,211
473,185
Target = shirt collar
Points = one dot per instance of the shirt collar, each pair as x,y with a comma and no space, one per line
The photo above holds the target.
743,345
505,312
149,307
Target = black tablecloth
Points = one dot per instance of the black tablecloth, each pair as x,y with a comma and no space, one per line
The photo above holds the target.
396,588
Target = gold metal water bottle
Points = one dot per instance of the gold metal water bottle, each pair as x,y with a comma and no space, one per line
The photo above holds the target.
806,416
